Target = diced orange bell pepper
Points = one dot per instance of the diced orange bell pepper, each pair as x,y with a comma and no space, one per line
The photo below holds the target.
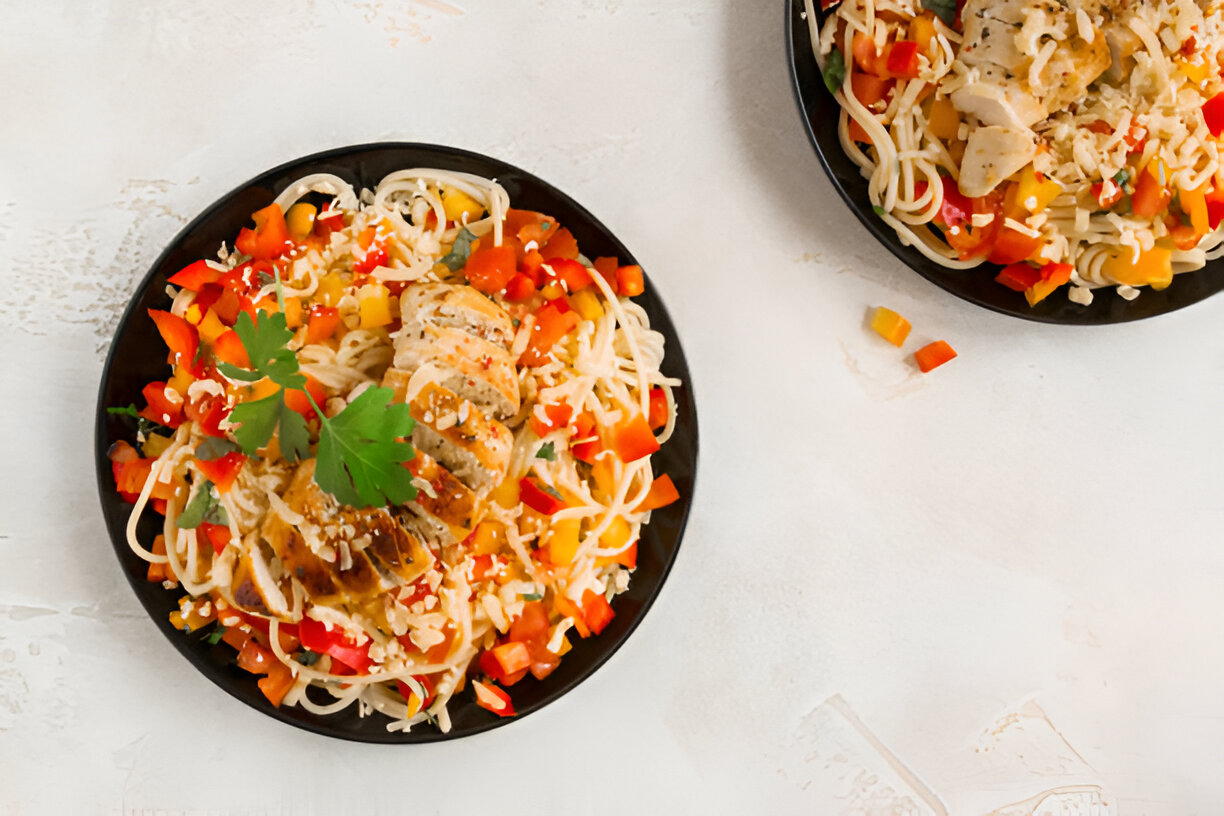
229,349
662,493
553,321
278,682
629,281
295,400
557,416
933,355
222,471
490,269
632,439
270,238
1018,276
658,414
560,244
596,611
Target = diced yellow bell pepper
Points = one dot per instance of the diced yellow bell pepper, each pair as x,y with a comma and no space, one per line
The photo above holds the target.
211,327
617,534
193,315
1034,194
154,445
563,541
1154,267
181,381
586,303
944,119
331,289
487,538
604,474
293,312
1195,72
374,306
552,290
891,326
1194,204
457,204
300,220
922,31
188,616
507,493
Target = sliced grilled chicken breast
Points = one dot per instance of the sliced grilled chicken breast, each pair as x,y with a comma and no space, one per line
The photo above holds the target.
466,338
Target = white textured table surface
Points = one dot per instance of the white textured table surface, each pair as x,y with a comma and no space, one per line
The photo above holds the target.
1033,528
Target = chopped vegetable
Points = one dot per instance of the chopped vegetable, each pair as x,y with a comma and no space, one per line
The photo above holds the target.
835,71
891,326
933,355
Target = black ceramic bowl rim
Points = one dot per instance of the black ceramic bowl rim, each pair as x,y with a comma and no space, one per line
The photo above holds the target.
137,356
820,111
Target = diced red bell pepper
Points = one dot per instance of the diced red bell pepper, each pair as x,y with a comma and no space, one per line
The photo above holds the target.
632,439
317,637
373,258
869,88
1057,273
538,499
1215,208
956,209
180,337
327,222
520,287
1018,276
207,411
903,59
662,493
658,409
270,238
255,658
409,695
933,355
1012,246
218,536
161,408
867,57
322,323
553,321
628,556
492,698
1104,201
1149,198
489,269
596,611
531,624
629,280
557,416
571,272
585,451
1213,114
222,471
195,276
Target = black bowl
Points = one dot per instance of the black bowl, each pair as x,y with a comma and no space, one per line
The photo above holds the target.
138,356
820,113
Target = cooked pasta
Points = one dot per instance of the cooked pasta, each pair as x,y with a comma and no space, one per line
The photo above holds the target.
1069,143
527,382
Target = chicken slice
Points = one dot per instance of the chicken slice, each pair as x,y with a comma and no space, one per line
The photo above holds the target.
991,155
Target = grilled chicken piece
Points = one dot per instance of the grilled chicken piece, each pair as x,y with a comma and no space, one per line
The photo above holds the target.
455,432
465,337
452,501
1002,40
382,553
991,155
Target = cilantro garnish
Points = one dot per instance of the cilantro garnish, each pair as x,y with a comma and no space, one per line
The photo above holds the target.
129,410
214,448
456,259
1121,177
547,451
360,455
214,637
943,9
835,71
204,506
532,596
877,209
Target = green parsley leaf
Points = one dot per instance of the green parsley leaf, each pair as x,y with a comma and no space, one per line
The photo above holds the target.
265,340
235,373
257,421
878,209
532,596
294,435
835,71
944,10
360,457
130,410
456,259
203,506
214,637
214,448
547,452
